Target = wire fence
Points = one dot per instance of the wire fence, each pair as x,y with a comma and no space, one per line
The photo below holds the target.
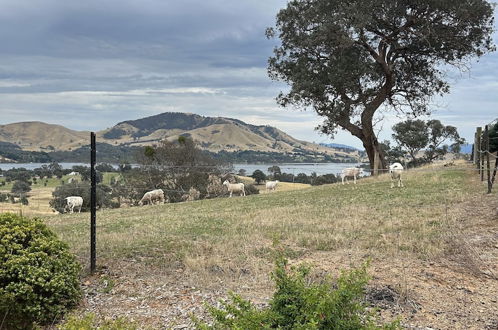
123,188
483,156
439,210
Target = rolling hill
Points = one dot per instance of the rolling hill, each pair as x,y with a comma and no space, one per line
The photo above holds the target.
39,136
214,134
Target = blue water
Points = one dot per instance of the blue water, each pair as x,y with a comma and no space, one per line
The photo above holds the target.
306,168
32,166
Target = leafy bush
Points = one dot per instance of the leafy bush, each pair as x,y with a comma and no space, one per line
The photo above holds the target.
89,322
296,304
24,200
250,189
324,179
20,187
39,278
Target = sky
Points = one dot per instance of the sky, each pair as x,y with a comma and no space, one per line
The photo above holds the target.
88,65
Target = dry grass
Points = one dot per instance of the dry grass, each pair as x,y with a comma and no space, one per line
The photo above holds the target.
222,244
38,198
369,217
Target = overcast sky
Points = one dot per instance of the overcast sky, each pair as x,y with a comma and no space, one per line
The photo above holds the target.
90,64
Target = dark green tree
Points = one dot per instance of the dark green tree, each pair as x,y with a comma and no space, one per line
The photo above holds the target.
275,171
104,167
431,136
20,187
412,136
438,135
302,178
393,154
258,176
350,60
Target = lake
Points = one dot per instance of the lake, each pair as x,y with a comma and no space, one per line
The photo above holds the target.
306,168
294,168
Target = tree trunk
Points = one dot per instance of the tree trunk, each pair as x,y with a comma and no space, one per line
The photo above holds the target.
372,145
367,136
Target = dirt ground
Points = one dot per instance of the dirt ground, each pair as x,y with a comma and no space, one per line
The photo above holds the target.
456,291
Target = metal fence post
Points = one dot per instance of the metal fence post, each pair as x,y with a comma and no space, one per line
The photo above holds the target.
93,204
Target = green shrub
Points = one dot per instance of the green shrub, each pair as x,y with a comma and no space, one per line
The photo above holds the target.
39,278
90,322
24,200
250,189
20,187
297,304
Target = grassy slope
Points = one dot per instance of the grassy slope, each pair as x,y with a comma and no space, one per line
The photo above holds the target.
369,217
432,245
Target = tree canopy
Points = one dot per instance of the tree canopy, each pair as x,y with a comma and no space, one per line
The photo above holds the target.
348,59
413,136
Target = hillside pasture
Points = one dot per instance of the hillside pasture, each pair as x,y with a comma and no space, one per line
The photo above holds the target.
432,247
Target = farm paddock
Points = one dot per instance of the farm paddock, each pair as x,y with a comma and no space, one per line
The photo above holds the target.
432,245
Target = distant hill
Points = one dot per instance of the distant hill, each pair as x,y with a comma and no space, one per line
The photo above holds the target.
39,136
338,146
214,134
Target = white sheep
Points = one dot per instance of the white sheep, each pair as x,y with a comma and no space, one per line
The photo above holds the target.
152,196
72,202
271,185
235,187
350,172
395,170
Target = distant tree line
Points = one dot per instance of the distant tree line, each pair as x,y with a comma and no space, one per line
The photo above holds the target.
276,174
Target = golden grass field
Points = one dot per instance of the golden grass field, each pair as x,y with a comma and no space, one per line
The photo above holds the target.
432,243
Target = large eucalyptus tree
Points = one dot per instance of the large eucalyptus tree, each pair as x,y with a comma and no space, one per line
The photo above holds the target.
352,59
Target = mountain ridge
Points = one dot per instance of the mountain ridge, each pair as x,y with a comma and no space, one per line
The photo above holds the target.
213,134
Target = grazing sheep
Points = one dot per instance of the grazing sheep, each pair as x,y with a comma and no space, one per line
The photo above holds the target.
152,196
72,202
235,187
271,185
395,170
351,171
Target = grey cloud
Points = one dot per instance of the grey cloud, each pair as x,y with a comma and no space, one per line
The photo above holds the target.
55,51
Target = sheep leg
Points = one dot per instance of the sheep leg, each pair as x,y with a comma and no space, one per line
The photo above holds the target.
354,177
